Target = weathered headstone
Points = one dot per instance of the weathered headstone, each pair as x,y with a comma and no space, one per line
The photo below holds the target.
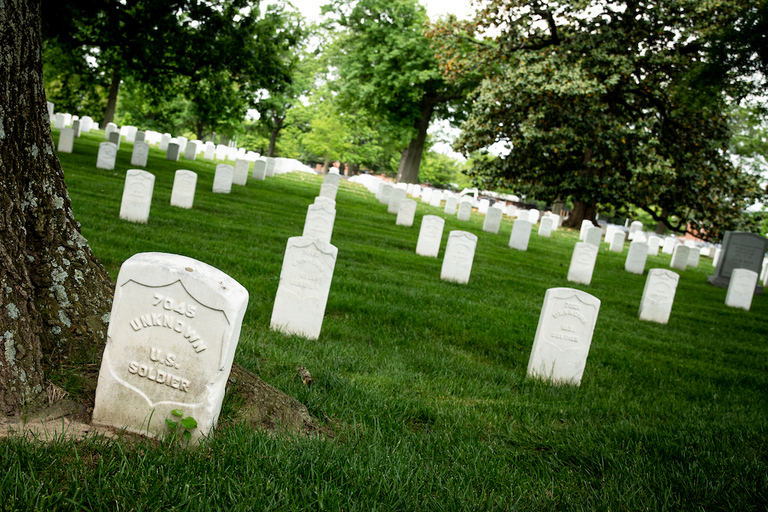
430,236
465,210
172,335
398,195
305,282
563,336
222,179
521,234
582,263
450,205
330,186
636,257
545,228
406,213
140,154
680,257
172,153
66,140
183,193
241,168
658,295
617,244
260,170
137,195
739,250
319,222
593,235
458,258
741,288
492,220
106,157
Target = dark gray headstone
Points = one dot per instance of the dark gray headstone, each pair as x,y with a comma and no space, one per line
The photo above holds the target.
740,250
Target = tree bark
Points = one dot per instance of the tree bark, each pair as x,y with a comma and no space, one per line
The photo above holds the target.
408,170
114,88
277,124
581,211
55,296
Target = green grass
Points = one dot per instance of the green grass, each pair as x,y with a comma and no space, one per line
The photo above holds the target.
420,383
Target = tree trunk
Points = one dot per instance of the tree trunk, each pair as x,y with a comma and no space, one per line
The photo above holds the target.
55,296
277,124
354,169
408,171
661,228
326,163
114,88
581,211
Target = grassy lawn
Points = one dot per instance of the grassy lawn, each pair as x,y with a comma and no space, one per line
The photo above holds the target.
420,384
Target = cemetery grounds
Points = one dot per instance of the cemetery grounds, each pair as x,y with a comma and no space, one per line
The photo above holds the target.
420,396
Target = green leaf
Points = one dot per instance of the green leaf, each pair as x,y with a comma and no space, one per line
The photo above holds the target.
171,423
189,423
177,412
187,435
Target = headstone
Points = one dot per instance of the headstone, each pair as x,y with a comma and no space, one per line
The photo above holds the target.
50,109
617,244
654,242
406,213
140,154
533,216
242,166
137,195
450,206
593,236
458,258
669,245
172,153
66,140
210,151
222,179
694,254
545,228
521,233
636,257
184,184
330,186
140,137
114,138
172,335
658,295
582,263
386,193
222,150
86,124
492,220
260,170
435,199
164,141
716,259
305,282
741,288
555,221
609,232
76,127
465,210
739,250
512,211
430,236
109,129
182,142
635,227
130,133
680,257
190,153
398,194
59,123
106,156
426,195
563,336
319,222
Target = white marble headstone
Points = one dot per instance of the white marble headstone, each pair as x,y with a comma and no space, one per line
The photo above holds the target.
636,257
330,186
465,210
450,206
319,222
593,235
183,193
140,154
741,288
260,170
426,195
545,227
305,282
398,195
240,176
106,156
680,257
435,199
222,179
172,334
533,216
694,254
137,195
190,153
563,336
492,220
654,243
458,258
172,153
658,295
483,206
617,243
386,193
430,236
66,140
582,263
406,213
521,234
669,245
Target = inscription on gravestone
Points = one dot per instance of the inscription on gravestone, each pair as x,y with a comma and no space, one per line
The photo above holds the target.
458,258
658,295
183,193
430,236
137,195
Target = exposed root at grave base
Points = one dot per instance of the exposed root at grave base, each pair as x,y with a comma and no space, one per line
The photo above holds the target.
262,406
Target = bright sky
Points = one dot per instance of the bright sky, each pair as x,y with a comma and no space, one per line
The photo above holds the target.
435,8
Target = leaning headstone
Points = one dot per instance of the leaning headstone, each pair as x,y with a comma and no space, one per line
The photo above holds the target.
305,282
115,138
222,179
492,220
680,257
260,170
739,250
654,242
593,236
242,167
617,244
521,234
319,222
106,157
658,295
741,288
330,186
172,335
694,254
545,228
450,206
465,210
398,194
563,336
582,263
172,153
430,236
66,140
636,257
140,154
406,213
137,195
458,258
183,193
